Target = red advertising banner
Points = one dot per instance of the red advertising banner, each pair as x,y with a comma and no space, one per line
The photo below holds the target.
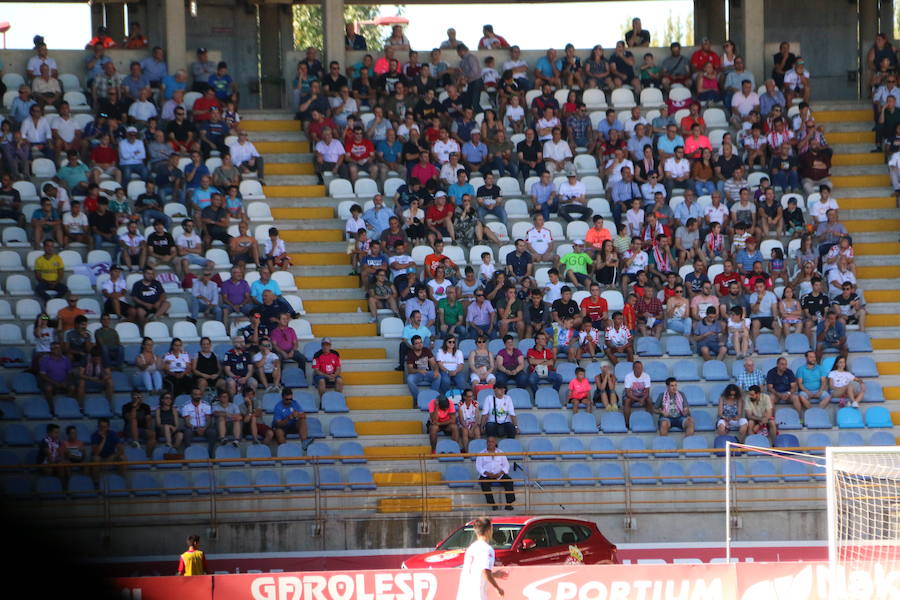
717,581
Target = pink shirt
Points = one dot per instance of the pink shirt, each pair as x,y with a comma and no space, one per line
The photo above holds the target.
283,338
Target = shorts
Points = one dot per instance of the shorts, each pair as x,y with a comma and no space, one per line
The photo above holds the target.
731,424
851,319
676,422
195,259
245,257
476,379
581,278
762,428
292,427
317,378
823,397
767,322
712,346
261,429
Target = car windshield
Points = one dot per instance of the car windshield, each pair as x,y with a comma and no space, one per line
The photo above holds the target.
503,538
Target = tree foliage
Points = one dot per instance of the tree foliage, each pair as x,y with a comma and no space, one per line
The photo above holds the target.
308,26
678,29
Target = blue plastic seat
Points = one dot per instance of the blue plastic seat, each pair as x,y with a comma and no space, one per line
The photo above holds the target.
259,451
610,473
466,347
547,397
521,398
664,447
425,396
549,475
672,473
97,407
760,441
850,438
572,444
330,479
697,443
642,422
10,411
197,453
352,449
136,455
293,377
360,478
792,470
604,445
113,485
566,370
81,486
512,448
237,482
37,409
818,440
176,484
144,485
290,450
648,346
528,424
641,473
49,487
318,450
313,428
657,370
25,383
878,416
267,481
738,472
555,423
66,408
678,345
310,349
701,472
623,368
715,370
612,422
786,440
720,442
796,343
762,471
477,446
584,422
298,480
850,418
882,438
540,445
231,453
342,427
334,402
685,370
9,458
14,357
863,366
16,434
459,476
767,343
445,446
633,447
859,341
816,418
526,344
874,392
580,474
787,419
271,399
703,420
694,394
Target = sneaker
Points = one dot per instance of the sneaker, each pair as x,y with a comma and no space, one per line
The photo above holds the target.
854,404
372,319
223,441
236,443
135,444
842,403
305,443
508,507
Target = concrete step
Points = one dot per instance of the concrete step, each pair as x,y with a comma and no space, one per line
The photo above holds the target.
842,116
858,158
290,179
867,192
328,281
868,180
319,258
305,212
387,402
839,127
294,191
872,224
292,146
333,294
860,135
876,168
274,169
338,330
271,125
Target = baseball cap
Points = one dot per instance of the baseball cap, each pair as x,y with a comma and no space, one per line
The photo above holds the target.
201,50
571,172
578,242
131,129
326,341
440,194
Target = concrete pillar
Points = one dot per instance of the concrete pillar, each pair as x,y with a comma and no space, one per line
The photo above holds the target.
333,31
886,18
175,34
754,37
115,21
709,21
276,39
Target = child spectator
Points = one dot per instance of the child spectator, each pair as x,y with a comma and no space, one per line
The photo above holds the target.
738,332
275,251
580,392
486,269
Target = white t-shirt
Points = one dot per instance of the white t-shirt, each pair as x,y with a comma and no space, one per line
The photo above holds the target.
354,225
75,224
189,240
818,209
449,360
271,359
716,214
66,128
637,384
557,150
554,291
792,79
330,152
677,168
472,584
131,242
514,114
178,363
443,149
540,240
276,249
839,379
439,288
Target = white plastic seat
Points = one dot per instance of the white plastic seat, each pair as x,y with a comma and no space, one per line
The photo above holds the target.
340,188
593,185
178,307
251,190
136,188
509,186
651,98
77,101
679,94
43,168
186,331
801,202
110,186
614,299
27,309
715,118
392,327
219,257
594,99
157,331
70,82
296,303
19,285
754,179
715,138
92,306
622,98
15,237
530,95
79,284
519,229
302,328
680,114
71,259
128,333
499,230
212,163
6,311
576,230
54,305
365,188
285,281
585,164
190,98
98,256
83,119
8,98
175,210
10,261
516,209
600,206
504,251
476,251
27,191
13,81
11,334
392,184
766,246
561,95
215,331
456,254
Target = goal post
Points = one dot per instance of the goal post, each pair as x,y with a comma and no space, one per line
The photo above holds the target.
863,495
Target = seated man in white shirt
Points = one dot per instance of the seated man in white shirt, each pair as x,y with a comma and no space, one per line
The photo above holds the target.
557,154
498,415
246,158
540,241
573,198
677,170
493,469
329,154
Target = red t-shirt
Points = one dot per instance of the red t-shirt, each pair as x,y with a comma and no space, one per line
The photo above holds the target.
443,416
630,316
432,134
433,261
104,155
701,57
316,127
200,110
545,354
438,214
424,172
327,363
723,280
361,150
593,309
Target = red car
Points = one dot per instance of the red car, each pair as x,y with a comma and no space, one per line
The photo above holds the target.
526,541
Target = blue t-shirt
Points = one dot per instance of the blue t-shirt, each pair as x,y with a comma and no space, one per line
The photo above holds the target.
543,65
457,191
222,85
171,85
391,152
782,382
282,412
668,146
811,377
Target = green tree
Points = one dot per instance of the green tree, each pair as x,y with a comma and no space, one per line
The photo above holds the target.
308,27
677,29
625,28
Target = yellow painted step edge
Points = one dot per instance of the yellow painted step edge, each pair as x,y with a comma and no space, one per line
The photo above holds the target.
388,427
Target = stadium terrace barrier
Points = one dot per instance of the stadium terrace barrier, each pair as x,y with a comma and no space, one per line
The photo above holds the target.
740,581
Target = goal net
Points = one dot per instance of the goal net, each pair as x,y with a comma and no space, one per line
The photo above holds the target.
863,512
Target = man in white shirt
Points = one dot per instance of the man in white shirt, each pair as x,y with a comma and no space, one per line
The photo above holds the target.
540,241
142,110
133,248
716,212
493,469
518,67
40,58
796,82
36,130
498,415
633,121
131,156
557,154
75,226
450,170
329,154
649,189
190,246
205,297
637,390
743,102
478,562
573,198
443,146
819,209
196,415
677,169
246,158
66,131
